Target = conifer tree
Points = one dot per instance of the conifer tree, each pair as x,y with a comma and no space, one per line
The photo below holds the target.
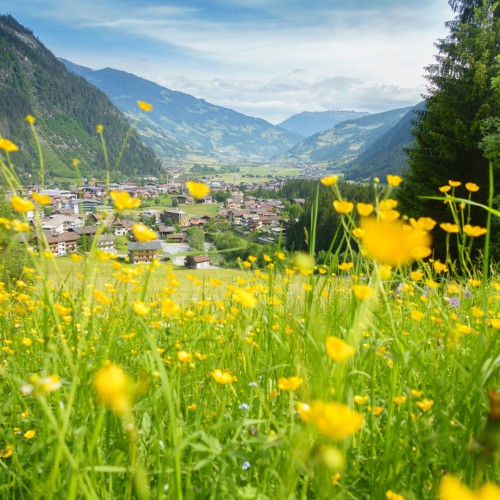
449,132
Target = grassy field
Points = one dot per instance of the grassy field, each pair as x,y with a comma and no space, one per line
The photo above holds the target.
376,378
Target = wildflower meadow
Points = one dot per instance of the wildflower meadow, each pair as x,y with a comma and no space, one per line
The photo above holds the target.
374,376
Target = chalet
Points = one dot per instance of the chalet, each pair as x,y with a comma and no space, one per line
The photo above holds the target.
197,261
143,252
106,242
177,238
61,244
165,231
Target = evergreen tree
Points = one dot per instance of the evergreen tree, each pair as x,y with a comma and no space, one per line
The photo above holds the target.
449,131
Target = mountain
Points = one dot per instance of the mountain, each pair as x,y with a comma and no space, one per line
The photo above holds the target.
67,110
180,124
309,123
386,155
341,144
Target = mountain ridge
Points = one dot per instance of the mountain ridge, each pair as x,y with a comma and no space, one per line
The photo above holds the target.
180,123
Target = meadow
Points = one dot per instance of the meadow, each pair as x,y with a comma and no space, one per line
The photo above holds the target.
373,378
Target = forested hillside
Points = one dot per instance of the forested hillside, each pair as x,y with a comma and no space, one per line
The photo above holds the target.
67,110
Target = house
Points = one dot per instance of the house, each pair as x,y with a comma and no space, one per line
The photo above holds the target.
106,242
143,252
61,244
176,216
197,261
177,238
165,231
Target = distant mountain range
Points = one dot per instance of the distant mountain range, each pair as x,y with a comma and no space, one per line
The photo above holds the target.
67,110
181,124
309,123
340,145
386,155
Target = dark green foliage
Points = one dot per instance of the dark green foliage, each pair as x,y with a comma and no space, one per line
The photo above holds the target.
328,220
67,110
449,133
196,238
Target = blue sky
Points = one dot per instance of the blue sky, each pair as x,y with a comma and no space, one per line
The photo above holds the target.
264,58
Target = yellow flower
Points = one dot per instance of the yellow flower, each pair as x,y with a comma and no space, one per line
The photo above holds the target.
392,242
30,434
99,129
495,323
394,180
145,106
42,199
416,315
335,420
360,400
465,329
388,205
343,207
123,200
7,451
140,308
389,215
364,209
390,495
113,388
474,231
143,233
451,488
345,266
30,119
21,205
425,404
416,275
184,356
424,223
444,189
330,181
223,377
19,226
454,183
245,298
8,146
338,350
362,292
399,400
472,187
439,267
290,383
304,411
448,227
197,189
75,257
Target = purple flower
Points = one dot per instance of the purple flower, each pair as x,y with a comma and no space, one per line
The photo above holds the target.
454,302
467,294
398,290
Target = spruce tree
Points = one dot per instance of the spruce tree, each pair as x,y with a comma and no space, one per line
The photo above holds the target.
449,131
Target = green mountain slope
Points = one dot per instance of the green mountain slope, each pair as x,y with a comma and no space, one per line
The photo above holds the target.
180,123
387,154
344,142
308,123
67,110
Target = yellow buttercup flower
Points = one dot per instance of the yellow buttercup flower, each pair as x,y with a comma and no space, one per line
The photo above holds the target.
42,199
394,180
21,205
451,488
197,189
472,187
388,205
335,420
113,388
223,377
474,231
290,383
140,308
184,357
123,200
29,434
8,146
99,129
444,189
360,400
364,209
143,233
449,227
417,315
345,266
330,181
339,350
424,223
362,292
145,106
30,119
416,275
389,215
454,183
343,207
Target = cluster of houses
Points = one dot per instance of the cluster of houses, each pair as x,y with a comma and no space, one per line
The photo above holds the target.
70,222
